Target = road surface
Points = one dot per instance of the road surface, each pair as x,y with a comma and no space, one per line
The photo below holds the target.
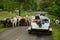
21,33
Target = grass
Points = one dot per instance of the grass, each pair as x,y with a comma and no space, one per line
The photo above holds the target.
56,29
6,14
2,29
56,32
27,13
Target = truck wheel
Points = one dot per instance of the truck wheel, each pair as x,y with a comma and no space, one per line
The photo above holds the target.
29,31
50,32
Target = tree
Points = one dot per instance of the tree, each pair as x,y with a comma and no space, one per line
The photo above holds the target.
51,6
11,5
1,6
23,4
46,3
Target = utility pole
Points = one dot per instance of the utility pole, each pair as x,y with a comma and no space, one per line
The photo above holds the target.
19,9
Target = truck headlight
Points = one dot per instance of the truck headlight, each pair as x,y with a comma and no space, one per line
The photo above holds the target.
50,29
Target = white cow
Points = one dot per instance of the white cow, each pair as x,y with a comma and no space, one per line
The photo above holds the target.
32,18
57,21
14,21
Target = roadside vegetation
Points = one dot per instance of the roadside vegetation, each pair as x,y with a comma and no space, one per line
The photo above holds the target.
56,32
27,13
56,28
2,29
5,14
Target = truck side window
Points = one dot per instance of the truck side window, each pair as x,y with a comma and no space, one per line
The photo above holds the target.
45,21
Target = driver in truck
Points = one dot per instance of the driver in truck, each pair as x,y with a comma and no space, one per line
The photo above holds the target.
37,20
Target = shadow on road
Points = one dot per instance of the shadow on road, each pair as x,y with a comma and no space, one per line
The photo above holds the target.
41,34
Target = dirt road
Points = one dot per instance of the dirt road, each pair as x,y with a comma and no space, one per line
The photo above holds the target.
21,33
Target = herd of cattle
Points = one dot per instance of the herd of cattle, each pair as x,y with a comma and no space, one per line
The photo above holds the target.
20,21
16,21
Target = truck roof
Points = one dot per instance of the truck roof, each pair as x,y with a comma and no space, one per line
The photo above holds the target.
43,17
41,13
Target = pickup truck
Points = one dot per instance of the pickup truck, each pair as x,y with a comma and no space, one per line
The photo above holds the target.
43,26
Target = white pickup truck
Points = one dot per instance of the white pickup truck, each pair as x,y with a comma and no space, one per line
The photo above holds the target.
45,26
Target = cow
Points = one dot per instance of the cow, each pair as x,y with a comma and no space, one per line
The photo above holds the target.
18,20
14,21
57,21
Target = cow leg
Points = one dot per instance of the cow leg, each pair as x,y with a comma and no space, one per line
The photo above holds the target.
13,25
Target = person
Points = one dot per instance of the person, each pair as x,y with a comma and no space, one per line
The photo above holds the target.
37,20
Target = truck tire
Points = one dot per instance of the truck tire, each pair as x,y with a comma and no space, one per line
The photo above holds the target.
50,32
29,31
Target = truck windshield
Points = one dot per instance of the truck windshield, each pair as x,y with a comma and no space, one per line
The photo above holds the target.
45,21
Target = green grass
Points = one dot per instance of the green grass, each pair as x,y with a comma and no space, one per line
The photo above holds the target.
56,28
6,14
2,29
56,32
27,13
